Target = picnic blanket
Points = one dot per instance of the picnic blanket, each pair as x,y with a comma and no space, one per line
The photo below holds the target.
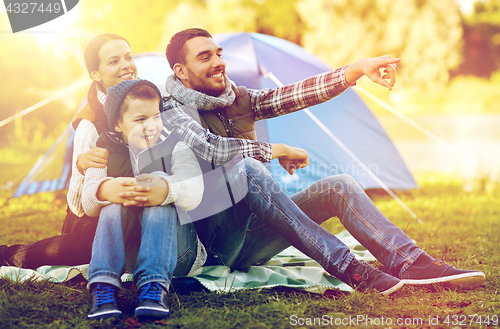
290,268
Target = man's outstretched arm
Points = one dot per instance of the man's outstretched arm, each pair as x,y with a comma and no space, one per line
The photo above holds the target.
217,149
270,103
210,147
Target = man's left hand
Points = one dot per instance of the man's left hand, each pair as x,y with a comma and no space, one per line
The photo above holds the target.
295,158
371,67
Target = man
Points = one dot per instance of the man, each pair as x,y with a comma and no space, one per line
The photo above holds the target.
266,221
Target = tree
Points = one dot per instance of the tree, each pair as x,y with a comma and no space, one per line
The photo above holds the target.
31,74
216,16
138,21
279,18
274,17
425,34
482,40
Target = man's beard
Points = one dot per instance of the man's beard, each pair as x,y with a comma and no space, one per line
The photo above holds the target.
201,85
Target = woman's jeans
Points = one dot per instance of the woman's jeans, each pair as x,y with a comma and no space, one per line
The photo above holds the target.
266,221
155,258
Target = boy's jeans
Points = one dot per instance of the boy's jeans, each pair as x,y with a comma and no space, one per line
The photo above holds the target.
267,221
157,254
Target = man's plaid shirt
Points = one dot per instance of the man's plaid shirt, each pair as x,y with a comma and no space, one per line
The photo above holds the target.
266,103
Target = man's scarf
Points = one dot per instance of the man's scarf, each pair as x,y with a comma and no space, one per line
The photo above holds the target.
203,102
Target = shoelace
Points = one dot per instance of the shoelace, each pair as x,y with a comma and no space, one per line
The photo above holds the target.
365,275
151,291
104,294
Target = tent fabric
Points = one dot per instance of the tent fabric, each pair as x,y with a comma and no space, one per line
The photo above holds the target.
347,116
248,57
53,171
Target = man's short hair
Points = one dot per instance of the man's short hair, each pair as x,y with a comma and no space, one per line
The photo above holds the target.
175,50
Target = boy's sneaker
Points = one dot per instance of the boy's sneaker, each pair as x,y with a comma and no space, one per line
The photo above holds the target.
103,303
152,302
427,270
363,276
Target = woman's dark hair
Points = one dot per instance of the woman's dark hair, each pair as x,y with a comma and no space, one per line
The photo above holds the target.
91,53
175,50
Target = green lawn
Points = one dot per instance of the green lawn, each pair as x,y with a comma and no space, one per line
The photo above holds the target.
460,226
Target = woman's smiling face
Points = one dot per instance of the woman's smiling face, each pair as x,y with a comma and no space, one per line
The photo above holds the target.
116,64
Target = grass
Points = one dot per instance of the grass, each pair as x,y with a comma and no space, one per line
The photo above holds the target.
460,225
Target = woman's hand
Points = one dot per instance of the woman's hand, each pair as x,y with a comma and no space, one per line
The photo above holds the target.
96,157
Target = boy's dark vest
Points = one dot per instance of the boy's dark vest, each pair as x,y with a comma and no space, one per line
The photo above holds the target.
122,163
235,121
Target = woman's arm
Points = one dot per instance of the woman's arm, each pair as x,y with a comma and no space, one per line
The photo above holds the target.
85,138
96,157
94,177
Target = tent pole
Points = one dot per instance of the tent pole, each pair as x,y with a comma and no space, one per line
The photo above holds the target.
270,75
413,124
30,109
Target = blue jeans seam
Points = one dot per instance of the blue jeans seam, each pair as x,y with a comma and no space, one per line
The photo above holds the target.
370,227
313,242
185,254
256,228
218,257
410,262
152,278
99,276
241,253
104,273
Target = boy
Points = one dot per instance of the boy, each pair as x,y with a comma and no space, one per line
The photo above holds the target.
133,112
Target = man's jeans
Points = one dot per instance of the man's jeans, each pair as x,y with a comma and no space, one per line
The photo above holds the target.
156,258
267,221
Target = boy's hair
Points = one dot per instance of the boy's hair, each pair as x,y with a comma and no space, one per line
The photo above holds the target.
144,92
119,96
175,49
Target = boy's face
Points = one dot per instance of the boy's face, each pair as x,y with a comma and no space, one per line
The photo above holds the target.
141,124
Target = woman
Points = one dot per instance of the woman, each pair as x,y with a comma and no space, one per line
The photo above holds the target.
109,61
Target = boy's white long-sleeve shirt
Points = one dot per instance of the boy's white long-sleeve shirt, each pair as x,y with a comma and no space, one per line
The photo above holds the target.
185,184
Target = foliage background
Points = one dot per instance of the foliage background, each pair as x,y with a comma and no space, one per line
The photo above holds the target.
437,43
